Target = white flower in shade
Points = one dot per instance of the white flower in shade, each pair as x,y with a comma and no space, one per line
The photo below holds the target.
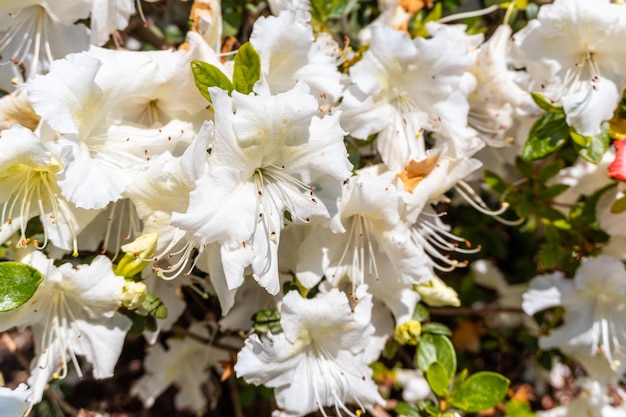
594,323
29,189
574,53
185,363
592,401
15,403
584,179
107,16
321,349
100,153
72,313
496,94
270,159
33,33
403,88
289,53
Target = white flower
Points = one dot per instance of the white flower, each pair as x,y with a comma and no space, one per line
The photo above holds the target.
72,313
376,249
289,53
496,94
185,364
107,16
101,153
403,88
29,188
321,348
593,401
574,52
594,323
15,403
36,32
273,156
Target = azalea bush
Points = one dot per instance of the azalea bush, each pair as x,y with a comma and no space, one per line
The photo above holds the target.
332,207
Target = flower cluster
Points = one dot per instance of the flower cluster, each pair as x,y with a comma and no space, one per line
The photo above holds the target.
303,180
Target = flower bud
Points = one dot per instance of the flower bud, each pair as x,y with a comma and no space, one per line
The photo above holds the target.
133,294
138,255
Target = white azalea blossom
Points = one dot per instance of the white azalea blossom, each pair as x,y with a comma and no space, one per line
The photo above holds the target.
574,53
376,249
15,403
593,401
33,33
274,155
95,146
289,53
185,364
72,312
594,303
29,188
321,347
403,88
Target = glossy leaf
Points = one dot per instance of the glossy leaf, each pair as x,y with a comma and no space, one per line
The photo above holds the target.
18,283
549,133
592,148
247,69
436,348
438,379
207,75
479,392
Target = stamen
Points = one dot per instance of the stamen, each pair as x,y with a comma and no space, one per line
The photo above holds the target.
478,204
466,15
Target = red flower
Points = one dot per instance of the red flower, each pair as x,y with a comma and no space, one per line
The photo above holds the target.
617,169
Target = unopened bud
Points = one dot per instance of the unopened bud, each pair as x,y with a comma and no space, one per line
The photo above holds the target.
436,293
139,252
133,294
408,333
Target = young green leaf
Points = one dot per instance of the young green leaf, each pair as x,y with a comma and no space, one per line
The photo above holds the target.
406,410
479,392
592,148
18,283
247,69
207,75
436,328
438,379
549,133
436,348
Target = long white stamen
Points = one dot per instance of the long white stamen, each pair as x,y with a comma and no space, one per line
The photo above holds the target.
467,15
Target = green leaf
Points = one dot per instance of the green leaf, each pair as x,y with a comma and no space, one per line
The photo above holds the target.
495,182
18,283
420,313
207,75
438,379
406,410
247,69
516,408
479,392
552,191
550,170
436,348
436,328
544,104
594,146
549,133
